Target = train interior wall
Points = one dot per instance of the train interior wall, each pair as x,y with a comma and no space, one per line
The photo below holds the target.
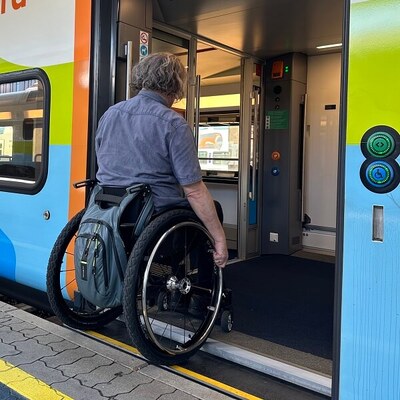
320,157
283,305
321,152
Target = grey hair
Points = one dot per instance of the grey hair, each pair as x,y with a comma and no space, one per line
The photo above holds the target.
160,72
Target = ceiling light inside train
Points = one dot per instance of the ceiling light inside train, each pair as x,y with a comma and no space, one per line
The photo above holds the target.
329,46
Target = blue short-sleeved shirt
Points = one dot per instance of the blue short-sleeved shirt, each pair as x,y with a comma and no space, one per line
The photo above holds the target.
142,140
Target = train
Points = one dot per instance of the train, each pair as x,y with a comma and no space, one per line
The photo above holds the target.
299,144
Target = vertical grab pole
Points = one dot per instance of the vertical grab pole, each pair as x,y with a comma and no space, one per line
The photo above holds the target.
254,95
197,113
129,63
303,169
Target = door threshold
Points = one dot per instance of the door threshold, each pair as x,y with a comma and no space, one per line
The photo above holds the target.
287,372
293,374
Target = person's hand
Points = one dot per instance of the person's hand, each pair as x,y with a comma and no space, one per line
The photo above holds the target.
220,254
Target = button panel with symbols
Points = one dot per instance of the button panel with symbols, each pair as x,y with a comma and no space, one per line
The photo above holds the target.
380,145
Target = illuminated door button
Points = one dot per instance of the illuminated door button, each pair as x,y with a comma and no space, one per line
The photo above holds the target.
275,171
379,174
380,144
275,155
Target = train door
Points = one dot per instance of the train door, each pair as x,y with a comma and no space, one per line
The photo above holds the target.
250,155
218,128
368,275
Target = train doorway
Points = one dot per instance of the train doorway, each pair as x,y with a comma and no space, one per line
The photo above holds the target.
299,125
226,126
265,122
296,159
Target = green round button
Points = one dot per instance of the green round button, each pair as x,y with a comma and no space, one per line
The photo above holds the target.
380,144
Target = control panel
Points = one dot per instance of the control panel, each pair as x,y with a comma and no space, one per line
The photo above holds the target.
380,172
285,87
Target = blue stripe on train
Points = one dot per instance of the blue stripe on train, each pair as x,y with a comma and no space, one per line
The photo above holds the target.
7,257
370,294
26,237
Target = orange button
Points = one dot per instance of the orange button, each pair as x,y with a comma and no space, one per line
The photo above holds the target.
276,155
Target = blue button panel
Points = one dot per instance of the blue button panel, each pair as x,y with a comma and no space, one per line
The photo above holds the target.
275,171
380,174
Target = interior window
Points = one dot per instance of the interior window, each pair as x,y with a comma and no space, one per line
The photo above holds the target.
219,146
219,103
22,139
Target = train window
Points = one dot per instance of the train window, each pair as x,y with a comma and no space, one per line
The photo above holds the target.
24,115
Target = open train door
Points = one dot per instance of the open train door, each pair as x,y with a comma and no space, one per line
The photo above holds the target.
368,275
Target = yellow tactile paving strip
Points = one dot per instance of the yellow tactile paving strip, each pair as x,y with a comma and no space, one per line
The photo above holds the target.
27,385
184,371
215,383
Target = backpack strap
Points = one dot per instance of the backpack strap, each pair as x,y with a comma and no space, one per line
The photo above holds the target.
145,213
117,196
108,198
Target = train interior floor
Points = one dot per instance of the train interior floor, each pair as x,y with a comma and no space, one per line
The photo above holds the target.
283,308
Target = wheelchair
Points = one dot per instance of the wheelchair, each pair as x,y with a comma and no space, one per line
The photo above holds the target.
172,292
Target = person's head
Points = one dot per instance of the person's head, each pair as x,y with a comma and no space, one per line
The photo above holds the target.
160,72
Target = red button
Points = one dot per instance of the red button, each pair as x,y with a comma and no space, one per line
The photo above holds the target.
276,155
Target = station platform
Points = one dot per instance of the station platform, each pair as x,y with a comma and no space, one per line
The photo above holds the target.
40,360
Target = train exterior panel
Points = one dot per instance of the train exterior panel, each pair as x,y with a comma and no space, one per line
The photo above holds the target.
58,46
370,331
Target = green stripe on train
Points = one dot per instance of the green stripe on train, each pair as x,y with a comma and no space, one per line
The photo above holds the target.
61,95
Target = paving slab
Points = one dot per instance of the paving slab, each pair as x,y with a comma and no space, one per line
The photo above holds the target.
75,366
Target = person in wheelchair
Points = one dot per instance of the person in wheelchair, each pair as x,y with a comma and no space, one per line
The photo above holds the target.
143,140
166,257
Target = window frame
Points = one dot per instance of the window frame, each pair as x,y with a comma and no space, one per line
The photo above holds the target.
40,75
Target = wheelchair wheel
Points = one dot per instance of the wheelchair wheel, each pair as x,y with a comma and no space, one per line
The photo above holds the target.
66,301
172,289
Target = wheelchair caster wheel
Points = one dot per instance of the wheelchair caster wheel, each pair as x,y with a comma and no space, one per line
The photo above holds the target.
162,302
226,321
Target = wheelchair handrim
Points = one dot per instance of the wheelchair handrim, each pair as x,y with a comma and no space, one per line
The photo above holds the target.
204,335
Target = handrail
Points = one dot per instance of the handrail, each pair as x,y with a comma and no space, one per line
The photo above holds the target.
255,145
129,63
197,111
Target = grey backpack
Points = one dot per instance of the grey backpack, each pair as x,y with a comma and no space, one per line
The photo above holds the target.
100,255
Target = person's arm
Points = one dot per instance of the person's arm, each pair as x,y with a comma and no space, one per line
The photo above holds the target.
203,205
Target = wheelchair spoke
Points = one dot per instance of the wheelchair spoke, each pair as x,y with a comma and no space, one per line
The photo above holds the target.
68,284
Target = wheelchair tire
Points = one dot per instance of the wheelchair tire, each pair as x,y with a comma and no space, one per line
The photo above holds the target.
71,308
165,262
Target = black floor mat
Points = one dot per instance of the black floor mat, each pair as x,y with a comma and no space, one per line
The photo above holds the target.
286,300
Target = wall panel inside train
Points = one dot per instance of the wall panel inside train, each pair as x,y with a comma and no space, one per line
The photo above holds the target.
321,140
